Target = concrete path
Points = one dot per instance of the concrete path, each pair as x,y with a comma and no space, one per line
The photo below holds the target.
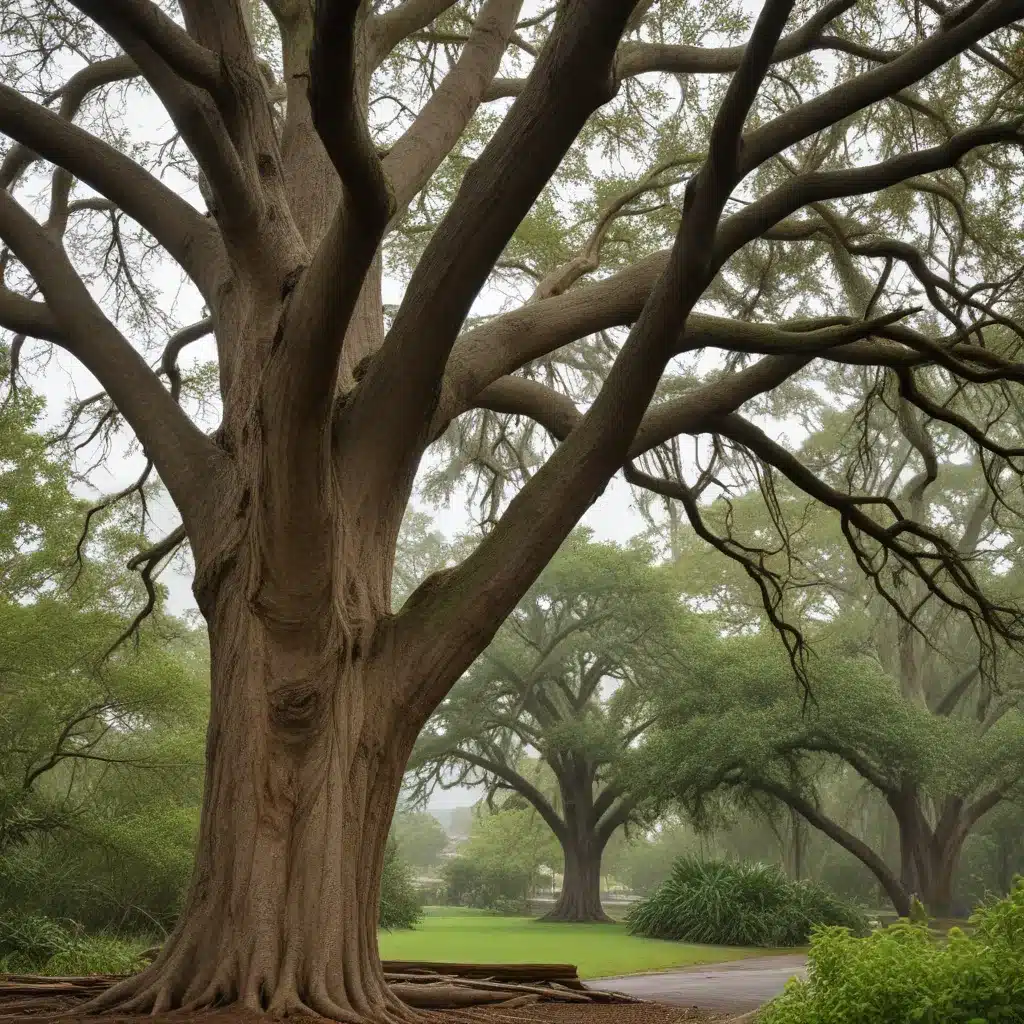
736,986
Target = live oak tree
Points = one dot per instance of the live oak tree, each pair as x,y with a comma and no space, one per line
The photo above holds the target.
748,739
559,696
922,725
454,144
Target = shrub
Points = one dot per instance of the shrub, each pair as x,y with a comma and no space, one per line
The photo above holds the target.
400,905
487,885
901,974
736,904
31,943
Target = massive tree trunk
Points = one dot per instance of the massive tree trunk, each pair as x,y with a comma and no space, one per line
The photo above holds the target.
580,898
305,754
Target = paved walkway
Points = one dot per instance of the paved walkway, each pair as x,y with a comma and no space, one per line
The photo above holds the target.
736,986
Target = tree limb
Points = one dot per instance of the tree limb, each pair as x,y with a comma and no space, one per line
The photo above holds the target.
188,237
184,456
534,525
420,150
194,63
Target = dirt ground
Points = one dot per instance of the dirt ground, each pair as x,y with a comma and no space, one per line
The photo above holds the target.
541,1013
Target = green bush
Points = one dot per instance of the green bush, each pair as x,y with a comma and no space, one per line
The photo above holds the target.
33,944
487,885
400,905
736,904
903,975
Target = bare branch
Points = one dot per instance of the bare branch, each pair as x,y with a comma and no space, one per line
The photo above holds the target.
148,561
189,238
183,54
184,456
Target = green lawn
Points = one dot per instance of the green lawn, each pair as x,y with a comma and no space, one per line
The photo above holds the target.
598,950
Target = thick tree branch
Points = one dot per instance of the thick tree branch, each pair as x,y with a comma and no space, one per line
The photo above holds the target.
187,236
194,63
338,115
204,120
73,93
419,151
640,58
184,456
956,692
390,28
24,316
615,819
847,840
528,534
496,193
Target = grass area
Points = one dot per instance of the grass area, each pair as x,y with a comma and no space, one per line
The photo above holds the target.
457,935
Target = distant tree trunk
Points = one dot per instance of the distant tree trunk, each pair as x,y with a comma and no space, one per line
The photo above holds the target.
582,847
580,899
799,841
929,855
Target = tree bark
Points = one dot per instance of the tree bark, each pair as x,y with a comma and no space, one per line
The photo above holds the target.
928,856
305,755
580,898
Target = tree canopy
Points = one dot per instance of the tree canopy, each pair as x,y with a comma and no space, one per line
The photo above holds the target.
566,679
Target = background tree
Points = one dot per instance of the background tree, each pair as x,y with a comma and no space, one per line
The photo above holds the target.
327,145
565,679
498,868
942,670
420,838
100,753
750,735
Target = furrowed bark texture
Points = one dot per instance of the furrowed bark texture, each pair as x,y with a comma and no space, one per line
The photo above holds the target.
305,756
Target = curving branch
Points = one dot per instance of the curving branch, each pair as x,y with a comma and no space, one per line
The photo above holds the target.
187,58
639,58
489,579
853,95
183,455
420,150
387,30
147,562
496,193
338,116
814,187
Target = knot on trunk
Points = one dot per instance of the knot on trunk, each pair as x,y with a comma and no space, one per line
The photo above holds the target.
298,709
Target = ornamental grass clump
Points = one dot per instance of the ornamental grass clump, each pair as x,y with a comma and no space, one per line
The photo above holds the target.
737,904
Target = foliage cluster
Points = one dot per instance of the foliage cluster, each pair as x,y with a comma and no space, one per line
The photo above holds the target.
400,905
735,904
901,975
498,867
31,943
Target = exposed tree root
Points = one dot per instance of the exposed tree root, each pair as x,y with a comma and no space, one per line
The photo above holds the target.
412,996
